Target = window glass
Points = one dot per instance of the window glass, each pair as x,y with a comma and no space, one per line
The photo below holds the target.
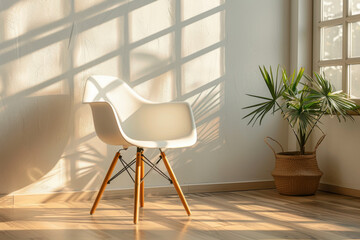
354,73
334,75
354,39
331,9
354,7
331,42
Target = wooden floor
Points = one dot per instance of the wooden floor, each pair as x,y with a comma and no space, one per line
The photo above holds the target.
232,215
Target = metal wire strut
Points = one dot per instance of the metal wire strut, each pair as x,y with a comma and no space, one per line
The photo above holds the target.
154,167
127,166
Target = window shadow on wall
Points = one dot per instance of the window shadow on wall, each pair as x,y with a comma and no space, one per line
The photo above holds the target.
166,50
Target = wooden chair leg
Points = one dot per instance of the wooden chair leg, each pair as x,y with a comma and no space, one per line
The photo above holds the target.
142,184
175,182
137,186
104,184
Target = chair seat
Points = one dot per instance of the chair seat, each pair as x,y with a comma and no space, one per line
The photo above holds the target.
177,143
160,125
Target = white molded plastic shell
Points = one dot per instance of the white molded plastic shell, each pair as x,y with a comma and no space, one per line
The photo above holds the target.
122,117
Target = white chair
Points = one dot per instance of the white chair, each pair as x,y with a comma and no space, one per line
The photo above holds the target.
122,117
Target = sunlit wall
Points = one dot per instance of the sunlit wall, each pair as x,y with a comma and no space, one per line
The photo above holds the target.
205,52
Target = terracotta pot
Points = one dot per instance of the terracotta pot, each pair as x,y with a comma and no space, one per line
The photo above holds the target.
296,174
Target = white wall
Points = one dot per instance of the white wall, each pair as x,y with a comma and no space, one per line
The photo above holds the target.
204,52
338,155
300,47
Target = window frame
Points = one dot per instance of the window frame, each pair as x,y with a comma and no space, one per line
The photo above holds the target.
345,61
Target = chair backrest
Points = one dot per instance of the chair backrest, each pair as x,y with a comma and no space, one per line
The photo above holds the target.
115,91
106,96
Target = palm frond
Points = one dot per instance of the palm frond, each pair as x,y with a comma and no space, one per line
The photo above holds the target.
301,107
269,105
336,103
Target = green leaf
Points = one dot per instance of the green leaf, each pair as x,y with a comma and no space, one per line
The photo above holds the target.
302,104
255,96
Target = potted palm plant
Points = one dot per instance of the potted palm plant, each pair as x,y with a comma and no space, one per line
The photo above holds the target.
302,105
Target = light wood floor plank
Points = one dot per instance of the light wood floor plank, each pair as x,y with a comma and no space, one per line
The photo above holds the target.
260,214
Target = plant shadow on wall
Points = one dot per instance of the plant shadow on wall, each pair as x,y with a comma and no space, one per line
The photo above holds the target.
48,141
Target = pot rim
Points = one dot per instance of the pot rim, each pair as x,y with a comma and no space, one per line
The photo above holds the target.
295,154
